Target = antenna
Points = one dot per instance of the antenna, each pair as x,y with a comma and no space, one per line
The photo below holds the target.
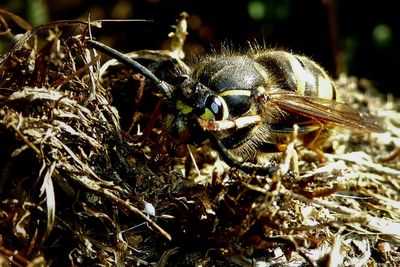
161,85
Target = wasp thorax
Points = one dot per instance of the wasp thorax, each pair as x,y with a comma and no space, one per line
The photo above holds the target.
234,79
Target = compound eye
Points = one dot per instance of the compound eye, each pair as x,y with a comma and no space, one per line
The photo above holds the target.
217,107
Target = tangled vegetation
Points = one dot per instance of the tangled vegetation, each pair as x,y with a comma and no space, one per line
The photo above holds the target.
87,176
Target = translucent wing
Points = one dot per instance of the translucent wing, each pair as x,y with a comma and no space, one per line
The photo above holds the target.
325,110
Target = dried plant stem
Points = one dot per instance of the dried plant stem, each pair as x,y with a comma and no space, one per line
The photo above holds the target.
382,226
93,186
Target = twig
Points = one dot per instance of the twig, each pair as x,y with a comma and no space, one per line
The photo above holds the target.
360,159
93,186
383,226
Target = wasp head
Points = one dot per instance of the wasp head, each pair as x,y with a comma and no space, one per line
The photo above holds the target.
190,102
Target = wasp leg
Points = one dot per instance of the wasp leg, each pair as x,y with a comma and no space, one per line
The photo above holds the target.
191,161
237,123
319,129
231,161
314,141
311,132
290,152
271,148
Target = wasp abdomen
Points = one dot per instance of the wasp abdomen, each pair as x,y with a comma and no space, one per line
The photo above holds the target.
296,73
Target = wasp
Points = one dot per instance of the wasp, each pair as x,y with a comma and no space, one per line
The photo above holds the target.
245,104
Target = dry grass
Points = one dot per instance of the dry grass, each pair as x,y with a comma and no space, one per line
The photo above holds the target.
75,189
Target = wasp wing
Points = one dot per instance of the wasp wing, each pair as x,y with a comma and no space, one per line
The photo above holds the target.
325,110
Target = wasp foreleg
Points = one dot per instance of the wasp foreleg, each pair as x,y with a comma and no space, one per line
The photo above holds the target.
231,161
222,125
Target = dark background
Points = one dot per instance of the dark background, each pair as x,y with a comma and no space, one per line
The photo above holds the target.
356,37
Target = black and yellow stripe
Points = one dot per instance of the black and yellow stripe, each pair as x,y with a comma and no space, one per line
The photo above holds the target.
296,73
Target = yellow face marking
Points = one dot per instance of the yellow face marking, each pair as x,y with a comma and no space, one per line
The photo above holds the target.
207,115
325,88
185,109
